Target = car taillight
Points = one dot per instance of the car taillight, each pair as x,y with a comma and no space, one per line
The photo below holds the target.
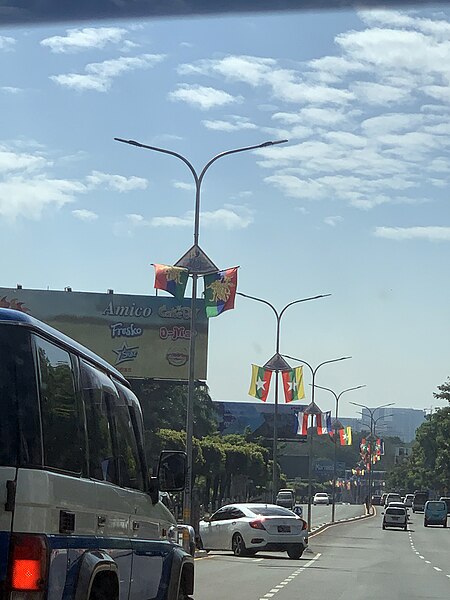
258,524
28,565
304,524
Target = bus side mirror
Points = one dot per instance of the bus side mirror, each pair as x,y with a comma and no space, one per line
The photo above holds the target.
172,471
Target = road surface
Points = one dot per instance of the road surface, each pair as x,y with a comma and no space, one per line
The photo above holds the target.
354,560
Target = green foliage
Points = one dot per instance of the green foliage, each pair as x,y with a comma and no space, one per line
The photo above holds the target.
164,406
429,465
444,391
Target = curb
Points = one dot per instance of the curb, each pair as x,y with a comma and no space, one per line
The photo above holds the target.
367,515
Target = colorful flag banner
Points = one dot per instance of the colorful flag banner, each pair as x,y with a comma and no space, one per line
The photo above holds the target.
323,423
259,386
293,384
304,422
171,279
220,291
346,436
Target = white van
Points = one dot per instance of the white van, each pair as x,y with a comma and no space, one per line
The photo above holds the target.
79,517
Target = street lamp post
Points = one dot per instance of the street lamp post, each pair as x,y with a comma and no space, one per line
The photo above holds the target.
278,360
371,412
337,398
312,409
197,263
372,426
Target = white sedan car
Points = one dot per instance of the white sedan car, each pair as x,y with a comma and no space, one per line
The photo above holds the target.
248,528
321,498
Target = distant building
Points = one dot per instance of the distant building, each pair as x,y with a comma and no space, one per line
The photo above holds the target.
257,418
396,422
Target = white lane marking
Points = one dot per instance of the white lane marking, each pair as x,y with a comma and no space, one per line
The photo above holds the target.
428,562
437,569
257,559
420,556
417,552
285,581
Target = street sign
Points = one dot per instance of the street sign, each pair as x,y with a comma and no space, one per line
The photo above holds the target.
197,261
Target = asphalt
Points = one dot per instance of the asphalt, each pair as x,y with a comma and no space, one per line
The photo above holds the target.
356,560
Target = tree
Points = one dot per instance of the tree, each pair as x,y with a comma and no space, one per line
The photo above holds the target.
444,391
164,406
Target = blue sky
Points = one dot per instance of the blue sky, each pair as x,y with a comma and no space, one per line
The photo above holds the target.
355,205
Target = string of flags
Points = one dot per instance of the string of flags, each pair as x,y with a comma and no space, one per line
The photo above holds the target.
292,383
371,454
219,287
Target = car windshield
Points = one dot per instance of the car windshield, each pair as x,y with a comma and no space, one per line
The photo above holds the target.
270,511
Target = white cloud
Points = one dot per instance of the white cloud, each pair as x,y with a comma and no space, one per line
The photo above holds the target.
10,89
84,39
234,123
20,161
7,43
391,123
333,221
118,183
286,84
371,92
99,77
30,196
182,185
202,97
430,233
135,219
229,217
85,215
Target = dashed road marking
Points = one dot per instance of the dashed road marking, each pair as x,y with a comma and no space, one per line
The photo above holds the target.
437,569
422,557
428,562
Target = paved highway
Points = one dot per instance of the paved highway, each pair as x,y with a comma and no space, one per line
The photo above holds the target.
321,514
355,560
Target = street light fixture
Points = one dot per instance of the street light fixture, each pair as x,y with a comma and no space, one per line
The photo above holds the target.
312,409
337,398
278,361
198,264
371,412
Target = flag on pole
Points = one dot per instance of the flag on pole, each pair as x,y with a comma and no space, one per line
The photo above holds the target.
293,384
323,423
259,386
171,279
220,291
304,421
346,436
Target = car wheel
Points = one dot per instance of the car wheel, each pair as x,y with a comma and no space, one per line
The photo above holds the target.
405,528
238,545
296,552
384,526
425,524
444,524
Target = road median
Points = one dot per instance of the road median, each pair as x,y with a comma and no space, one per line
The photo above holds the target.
368,513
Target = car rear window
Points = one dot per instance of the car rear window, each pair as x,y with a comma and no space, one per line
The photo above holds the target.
270,511
438,505
395,511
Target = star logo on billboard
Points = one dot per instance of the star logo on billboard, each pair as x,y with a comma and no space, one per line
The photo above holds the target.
125,354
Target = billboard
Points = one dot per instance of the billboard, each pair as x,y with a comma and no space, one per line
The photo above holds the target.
142,336
257,417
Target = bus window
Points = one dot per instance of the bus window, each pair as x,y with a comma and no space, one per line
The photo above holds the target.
20,429
129,460
62,423
102,465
